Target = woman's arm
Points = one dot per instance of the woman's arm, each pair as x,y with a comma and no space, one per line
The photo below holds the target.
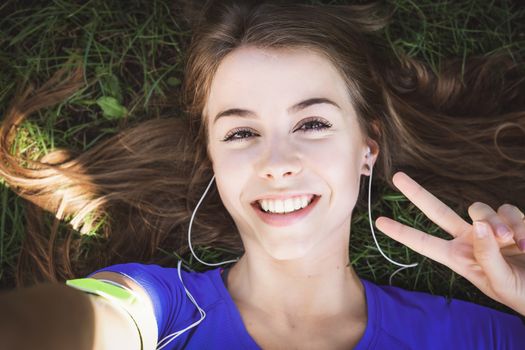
141,312
55,316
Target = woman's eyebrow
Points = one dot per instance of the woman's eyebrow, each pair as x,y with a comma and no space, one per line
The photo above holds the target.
293,109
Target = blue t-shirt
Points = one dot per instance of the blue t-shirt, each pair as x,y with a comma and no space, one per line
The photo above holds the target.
397,318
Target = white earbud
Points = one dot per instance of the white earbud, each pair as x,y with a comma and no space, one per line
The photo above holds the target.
368,153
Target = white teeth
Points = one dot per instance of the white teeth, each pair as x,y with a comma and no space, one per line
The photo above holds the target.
279,206
305,201
285,206
298,203
288,205
271,206
264,204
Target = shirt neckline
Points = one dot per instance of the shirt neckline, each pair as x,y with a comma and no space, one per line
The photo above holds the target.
373,313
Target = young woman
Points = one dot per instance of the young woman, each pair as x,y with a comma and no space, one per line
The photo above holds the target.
288,107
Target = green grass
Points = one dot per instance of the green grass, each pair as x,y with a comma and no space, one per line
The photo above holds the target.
131,52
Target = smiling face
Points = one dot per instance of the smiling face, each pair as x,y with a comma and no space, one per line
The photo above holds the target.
280,124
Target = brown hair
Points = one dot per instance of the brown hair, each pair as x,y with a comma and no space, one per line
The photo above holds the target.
458,132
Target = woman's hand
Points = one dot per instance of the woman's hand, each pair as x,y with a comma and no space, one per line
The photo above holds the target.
481,252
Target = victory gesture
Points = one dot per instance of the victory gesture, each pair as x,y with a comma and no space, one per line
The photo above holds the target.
488,252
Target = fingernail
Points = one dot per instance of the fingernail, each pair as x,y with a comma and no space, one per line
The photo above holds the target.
502,230
480,229
521,244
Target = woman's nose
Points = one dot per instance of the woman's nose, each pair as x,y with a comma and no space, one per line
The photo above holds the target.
280,161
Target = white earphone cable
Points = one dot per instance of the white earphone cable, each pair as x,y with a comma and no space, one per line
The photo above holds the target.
403,266
189,231
170,337
167,339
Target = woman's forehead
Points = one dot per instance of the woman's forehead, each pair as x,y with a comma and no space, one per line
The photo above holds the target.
259,76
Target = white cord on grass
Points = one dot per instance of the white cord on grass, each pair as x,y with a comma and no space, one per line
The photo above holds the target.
189,231
403,266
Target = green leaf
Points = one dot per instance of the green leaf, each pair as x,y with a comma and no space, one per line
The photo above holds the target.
172,81
112,87
109,83
111,108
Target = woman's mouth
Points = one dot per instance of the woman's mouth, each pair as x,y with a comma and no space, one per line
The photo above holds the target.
275,216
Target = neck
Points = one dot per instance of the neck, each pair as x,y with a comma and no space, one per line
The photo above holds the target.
321,284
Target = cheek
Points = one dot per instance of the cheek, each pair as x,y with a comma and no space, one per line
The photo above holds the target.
233,163
334,156
232,171
338,163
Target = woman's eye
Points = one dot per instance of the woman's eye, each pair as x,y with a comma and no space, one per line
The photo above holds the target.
320,123
238,135
311,124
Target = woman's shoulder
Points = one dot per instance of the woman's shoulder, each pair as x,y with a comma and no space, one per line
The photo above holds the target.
168,288
157,274
421,318
162,282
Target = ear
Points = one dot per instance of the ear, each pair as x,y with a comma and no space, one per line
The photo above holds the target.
369,159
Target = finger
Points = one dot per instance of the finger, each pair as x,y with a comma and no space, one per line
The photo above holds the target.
488,256
482,212
515,219
432,207
433,247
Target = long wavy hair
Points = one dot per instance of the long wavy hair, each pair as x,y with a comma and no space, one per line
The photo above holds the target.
459,132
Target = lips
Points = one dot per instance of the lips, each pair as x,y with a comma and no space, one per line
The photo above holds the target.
279,220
